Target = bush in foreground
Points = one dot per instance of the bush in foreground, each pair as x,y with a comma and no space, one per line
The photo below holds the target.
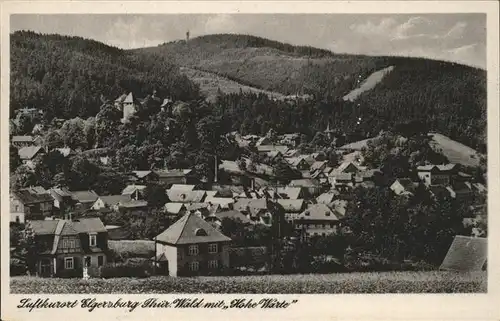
390,282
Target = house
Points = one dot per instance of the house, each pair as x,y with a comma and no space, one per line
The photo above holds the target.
28,154
110,201
290,139
132,207
26,204
217,218
312,186
292,208
403,186
292,193
263,141
257,210
128,105
191,246
185,196
298,162
175,209
319,176
84,199
223,202
292,153
273,155
317,219
344,168
135,192
143,177
461,190
328,197
63,198
264,149
25,141
370,175
436,174
317,166
66,151
204,209
176,176
65,247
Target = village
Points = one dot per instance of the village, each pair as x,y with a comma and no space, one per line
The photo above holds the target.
310,199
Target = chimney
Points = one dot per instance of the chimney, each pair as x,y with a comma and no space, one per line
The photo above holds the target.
252,184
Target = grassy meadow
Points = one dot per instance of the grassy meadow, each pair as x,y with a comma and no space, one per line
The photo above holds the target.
372,282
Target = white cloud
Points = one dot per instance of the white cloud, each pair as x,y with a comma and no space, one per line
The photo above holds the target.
369,28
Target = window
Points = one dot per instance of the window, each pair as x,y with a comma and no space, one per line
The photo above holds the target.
100,260
193,250
212,248
92,240
200,232
213,264
194,266
17,219
69,263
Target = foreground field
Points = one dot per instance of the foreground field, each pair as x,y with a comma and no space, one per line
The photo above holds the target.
387,282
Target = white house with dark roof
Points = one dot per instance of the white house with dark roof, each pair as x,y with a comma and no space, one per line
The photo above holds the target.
437,174
191,246
318,219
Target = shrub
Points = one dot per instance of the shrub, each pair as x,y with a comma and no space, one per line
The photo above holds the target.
17,267
133,267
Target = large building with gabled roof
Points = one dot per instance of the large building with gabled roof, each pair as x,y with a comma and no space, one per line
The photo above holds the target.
191,246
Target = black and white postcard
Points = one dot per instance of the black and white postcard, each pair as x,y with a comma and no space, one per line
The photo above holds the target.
226,160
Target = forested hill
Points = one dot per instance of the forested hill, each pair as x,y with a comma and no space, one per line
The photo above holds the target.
66,76
450,98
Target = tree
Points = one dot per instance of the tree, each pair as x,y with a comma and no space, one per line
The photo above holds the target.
73,133
49,165
155,194
53,139
24,177
14,159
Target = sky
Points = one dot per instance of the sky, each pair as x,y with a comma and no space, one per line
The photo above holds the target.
454,37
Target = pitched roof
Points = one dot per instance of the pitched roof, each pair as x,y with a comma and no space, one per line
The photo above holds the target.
21,139
64,151
141,174
130,189
111,200
121,98
233,215
133,204
89,225
242,204
36,190
318,165
129,98
224,201
291,206
191,229
30,197
318,212
84,196
29,152
292,193
295,161
173,172
304,182
444,167
327,198
343,177
60,192
185,196
65,227
182,187
269,148
174,208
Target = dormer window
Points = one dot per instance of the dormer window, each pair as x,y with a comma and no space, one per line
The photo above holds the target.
306,213
200,232
92,240
327,213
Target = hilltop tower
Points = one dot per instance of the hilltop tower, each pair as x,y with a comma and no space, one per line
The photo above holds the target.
187,36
